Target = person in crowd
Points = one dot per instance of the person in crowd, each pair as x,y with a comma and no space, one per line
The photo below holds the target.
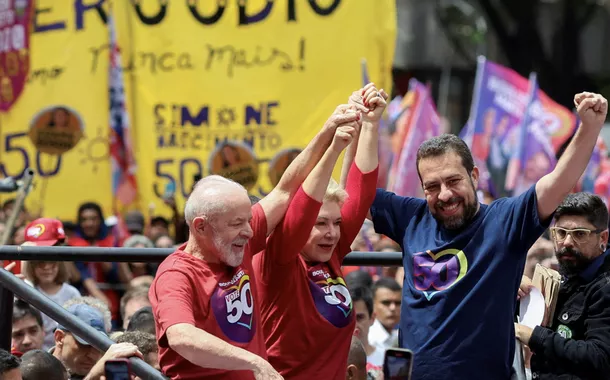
92,232
9,366
70,228
159,226
48,277
356,361
142,320
133,300
397,273
95,303
181,229
362,299
204,295
146,344
114,335
9,205
308,321
358,278
576,342
82,360
366,241
140,269
39,365
164,241
463,260
135,222
383,334
27,329
138,241
540,253
140,281
18,235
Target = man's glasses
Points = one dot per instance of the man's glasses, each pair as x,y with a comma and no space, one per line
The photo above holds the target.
579,235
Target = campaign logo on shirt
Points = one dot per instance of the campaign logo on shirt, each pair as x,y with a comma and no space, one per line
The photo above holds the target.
330,295
233,307
435,272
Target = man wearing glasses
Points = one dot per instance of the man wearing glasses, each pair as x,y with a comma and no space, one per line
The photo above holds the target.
576,343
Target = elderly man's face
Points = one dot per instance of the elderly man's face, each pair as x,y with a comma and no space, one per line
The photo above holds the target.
226,234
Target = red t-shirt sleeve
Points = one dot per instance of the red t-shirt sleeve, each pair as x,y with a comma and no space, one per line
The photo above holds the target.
173,302
259,230
287,240
361,190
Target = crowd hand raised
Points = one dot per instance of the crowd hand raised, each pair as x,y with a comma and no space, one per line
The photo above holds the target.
11,266
343,114
525,288
592,109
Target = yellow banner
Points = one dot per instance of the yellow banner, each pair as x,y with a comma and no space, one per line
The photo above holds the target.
235,88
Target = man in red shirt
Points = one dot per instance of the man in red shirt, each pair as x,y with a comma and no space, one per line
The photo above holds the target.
203,296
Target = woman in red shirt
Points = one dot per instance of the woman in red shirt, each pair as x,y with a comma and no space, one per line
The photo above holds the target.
305,305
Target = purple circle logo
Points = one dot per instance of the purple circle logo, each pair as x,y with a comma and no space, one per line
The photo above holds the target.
331,296
233,307
433,273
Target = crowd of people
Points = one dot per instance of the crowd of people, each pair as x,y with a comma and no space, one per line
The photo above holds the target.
256,288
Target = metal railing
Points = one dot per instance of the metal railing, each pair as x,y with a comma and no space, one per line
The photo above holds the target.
141,255
10,284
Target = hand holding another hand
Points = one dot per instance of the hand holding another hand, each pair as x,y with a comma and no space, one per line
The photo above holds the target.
343,114
370,101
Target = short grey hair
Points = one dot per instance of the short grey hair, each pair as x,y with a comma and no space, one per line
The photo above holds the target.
134,240
211,189
95,303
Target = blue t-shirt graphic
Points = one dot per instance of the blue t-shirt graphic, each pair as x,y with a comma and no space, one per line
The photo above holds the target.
460,287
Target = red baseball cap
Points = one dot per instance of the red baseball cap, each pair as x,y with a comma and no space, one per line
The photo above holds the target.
45,232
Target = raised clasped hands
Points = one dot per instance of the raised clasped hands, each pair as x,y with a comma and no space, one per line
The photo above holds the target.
343,115
344,135
370,101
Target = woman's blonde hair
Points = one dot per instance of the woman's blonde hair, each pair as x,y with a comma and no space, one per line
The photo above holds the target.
29,266
335,193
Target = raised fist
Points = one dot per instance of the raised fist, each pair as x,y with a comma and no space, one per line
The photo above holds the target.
592,109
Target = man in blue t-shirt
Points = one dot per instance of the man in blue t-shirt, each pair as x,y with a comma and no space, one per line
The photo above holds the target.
464,260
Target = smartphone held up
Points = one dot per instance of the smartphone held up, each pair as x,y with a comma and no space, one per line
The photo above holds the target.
397,364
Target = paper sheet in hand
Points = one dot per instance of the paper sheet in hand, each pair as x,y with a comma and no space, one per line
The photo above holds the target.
531,309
